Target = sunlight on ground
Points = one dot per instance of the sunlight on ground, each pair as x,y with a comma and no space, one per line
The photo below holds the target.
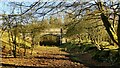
44,56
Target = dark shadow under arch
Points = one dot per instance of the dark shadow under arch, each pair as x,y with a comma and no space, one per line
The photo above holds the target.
50,40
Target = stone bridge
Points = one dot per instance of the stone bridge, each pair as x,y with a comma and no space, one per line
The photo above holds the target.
59,32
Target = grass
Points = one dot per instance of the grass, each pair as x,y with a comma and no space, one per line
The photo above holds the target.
5,40
108,55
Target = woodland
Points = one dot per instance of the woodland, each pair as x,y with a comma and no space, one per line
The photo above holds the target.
83,34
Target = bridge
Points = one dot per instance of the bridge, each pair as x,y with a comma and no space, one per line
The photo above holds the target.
59,32
54,31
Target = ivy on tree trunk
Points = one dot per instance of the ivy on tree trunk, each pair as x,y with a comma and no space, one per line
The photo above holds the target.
118,31
109,28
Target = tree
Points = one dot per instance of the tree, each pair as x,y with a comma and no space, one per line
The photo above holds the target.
104,12
34,29
79,10
108,26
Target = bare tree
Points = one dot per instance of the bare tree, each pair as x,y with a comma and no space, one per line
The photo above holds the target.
78,9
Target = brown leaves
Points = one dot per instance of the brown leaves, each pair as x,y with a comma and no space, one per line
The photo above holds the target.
44,57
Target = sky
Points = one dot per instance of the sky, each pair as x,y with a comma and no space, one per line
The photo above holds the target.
37,0
5,8
18,0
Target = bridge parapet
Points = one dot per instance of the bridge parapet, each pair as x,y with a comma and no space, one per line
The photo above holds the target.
55,31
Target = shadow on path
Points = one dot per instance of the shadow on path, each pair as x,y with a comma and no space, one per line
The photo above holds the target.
84,58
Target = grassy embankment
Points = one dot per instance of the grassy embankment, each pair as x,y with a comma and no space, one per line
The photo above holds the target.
89,54
8,46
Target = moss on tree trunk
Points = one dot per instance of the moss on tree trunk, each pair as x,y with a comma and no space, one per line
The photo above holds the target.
109,28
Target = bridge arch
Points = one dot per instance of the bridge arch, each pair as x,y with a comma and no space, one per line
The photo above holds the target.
50,40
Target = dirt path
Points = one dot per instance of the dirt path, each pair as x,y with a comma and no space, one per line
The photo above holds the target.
50,57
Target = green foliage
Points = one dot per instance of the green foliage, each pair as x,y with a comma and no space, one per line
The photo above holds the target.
111,56
55,22
50,40
49,37
69,46
87,28
87,47
84,47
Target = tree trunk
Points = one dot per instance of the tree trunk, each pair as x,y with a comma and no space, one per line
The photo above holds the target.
31,51
24,44
14,47
14,43
61,31
9,41
118,31
32,45
109,28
